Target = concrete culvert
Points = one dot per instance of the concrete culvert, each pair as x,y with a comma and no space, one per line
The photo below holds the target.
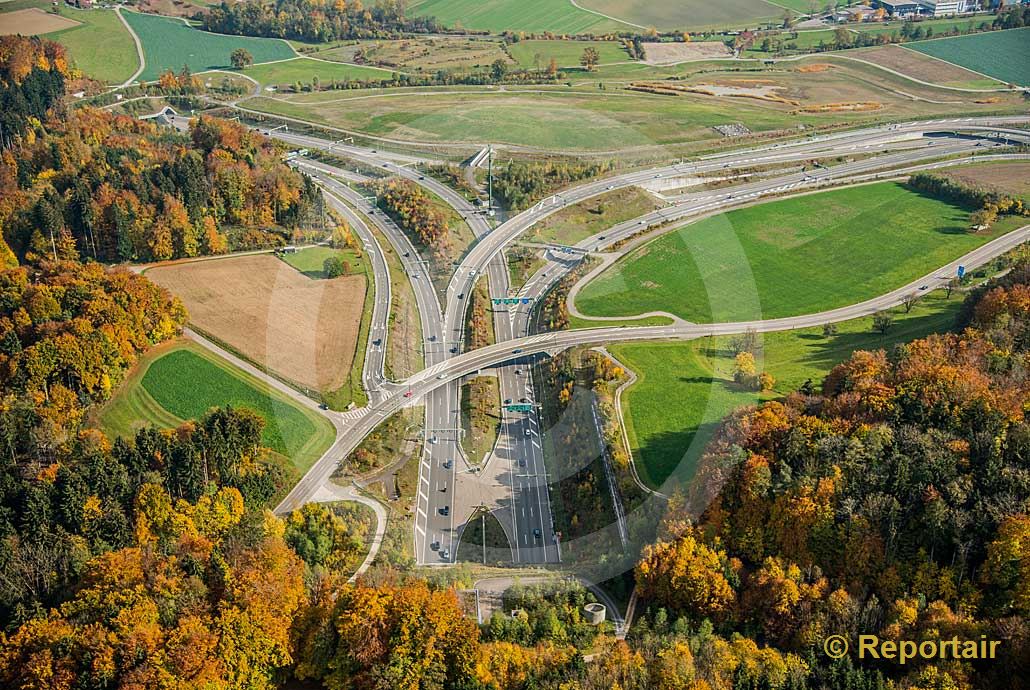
595,613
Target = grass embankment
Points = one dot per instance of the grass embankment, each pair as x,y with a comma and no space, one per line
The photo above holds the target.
480,416
182,381
783,258
685,389
484,541
594,215
523,262
480,395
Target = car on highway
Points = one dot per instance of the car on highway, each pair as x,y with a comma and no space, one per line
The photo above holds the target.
524,400
507,401
454,350
408,394
323,406
518,372
441,377
445,510
448,464
435,546
528,432
445,554
537,534
517,351
461,295
522,462
610,187
377,342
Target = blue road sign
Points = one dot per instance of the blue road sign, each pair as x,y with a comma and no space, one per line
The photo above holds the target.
525,300
961,271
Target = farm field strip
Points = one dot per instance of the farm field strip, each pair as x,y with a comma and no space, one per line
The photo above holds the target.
981,53
304,331
183,381
170,43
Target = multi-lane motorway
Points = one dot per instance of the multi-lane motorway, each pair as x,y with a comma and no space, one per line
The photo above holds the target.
514,481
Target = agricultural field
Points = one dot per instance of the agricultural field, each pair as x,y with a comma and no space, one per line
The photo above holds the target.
1004,55
1010,177
589,217
783,258
302,330
538,53
556,16
182,381
304,70
171,43
33,21
585,117
97,42
416,54
688,14
684,390
925,68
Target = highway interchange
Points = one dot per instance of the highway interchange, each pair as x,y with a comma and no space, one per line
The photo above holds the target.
513,482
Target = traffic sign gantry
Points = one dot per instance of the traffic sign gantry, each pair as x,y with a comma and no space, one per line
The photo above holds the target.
519,408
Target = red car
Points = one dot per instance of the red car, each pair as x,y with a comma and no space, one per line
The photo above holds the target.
408,394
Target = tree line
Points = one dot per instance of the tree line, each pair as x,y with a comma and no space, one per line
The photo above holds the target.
409,205
314,21
987,202
894,503
519,184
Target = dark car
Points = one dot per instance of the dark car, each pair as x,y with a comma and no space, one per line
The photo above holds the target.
507,401
323,406
446,510
523,400
454,350
536,534
517,351
377,342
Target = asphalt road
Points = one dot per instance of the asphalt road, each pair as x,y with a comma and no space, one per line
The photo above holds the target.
445,472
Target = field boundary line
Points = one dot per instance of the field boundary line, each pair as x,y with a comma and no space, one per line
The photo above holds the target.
139,51
607,16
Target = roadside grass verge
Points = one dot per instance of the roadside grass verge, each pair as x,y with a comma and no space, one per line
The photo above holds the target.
685,389
480,416
793,256
183,381
592,216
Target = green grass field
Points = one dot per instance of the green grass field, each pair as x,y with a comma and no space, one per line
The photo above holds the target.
170,43
311,261
1004,55
304,69
100,46
689,14
685,389
184,381
789,257
566,53
559,16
